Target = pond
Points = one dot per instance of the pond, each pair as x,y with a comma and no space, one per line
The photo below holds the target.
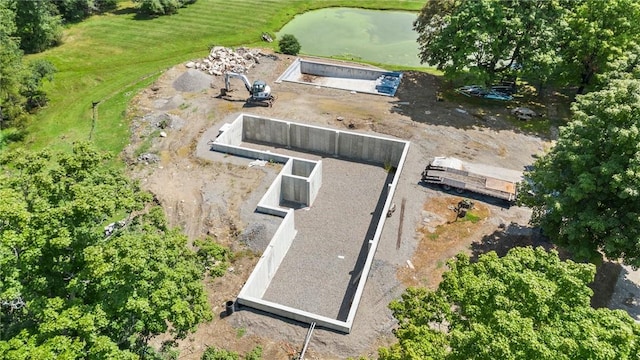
380,36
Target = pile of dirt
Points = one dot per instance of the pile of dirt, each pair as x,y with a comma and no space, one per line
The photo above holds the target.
192,81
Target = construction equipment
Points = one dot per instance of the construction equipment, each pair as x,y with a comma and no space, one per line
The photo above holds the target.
259,91
456,174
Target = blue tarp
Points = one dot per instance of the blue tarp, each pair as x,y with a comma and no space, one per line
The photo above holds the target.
388,82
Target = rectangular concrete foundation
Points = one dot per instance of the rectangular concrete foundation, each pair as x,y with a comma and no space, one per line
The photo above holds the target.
348,258
351,78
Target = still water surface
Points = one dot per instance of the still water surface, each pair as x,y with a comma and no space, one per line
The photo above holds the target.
385,37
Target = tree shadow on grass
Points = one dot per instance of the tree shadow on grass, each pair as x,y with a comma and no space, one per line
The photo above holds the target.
132,10
603,286
430,99
508,237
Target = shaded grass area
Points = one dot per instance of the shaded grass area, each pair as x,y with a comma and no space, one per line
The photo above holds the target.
109,58
552,107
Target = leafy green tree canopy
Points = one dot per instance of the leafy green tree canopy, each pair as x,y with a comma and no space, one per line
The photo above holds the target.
592,34
585,193
487,37
20,84
37,25
566,42
68,289
526,305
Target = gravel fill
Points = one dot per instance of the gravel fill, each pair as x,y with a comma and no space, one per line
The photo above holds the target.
320,267
192,81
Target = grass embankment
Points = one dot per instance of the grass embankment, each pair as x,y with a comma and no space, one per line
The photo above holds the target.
109,58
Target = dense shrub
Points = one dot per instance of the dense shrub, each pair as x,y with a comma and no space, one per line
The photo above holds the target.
289,45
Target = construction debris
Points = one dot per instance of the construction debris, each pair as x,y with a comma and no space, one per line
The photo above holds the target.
524,113
222,60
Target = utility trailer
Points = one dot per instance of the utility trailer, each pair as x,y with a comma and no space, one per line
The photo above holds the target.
456,174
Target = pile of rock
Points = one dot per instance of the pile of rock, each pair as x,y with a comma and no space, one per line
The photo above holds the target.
222,59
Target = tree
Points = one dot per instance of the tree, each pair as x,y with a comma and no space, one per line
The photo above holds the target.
526,305
37,26
11,98
38,71
74,10
585,193
161,7
289,45
594,33
70,290
487,38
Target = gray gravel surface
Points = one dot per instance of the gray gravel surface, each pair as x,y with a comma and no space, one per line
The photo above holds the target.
322,266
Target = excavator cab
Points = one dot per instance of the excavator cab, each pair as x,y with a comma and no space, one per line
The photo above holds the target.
258,87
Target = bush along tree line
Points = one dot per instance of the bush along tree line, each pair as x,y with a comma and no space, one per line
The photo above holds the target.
161,7
72,287
289,45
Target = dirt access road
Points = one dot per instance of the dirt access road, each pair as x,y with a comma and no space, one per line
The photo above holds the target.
214,195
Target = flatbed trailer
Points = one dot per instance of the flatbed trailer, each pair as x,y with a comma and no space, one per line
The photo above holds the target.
456,174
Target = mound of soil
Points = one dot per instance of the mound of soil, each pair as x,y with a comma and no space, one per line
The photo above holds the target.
192,81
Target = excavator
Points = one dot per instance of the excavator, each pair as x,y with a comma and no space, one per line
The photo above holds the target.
259,91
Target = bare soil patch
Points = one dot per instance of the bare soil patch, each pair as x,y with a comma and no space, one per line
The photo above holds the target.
209,194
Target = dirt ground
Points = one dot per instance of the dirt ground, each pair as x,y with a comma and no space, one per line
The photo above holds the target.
215,195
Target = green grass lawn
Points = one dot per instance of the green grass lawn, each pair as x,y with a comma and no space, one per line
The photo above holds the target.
109,58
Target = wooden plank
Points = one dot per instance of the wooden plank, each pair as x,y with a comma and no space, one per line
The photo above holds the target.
501,185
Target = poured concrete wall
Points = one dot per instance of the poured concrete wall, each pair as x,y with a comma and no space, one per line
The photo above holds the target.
270,202
315,182
295,189
353,146
248,153
295,314
271,259
371,149
265,130
301,167
340,71
351,78
231,135
376,237
313,139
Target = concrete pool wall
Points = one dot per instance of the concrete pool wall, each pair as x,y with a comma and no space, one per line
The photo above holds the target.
300,181
345,77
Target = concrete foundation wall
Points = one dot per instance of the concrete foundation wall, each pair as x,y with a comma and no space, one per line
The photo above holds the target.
371,149
270,202
265,130
232,134
248,153
353,146
271,258
313,139
302,168
340,71
315,182
295,189
295,314
376,237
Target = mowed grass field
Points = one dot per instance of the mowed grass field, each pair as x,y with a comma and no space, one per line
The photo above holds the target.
109,58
